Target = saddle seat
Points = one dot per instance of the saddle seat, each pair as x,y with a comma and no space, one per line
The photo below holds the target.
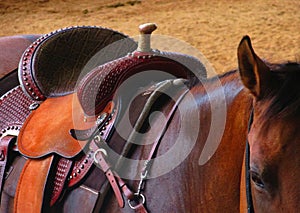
53,64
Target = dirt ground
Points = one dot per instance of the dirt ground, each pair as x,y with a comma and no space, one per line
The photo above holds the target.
213,27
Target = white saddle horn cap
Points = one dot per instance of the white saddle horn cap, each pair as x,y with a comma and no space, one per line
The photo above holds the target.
144,44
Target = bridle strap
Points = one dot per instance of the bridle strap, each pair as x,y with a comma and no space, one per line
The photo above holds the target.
250,208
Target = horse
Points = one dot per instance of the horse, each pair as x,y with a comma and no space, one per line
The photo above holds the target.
13,47
229,144
268,91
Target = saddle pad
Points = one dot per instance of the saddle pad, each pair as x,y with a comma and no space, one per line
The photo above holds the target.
47,129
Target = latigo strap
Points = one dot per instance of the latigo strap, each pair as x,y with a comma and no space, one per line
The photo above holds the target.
5,145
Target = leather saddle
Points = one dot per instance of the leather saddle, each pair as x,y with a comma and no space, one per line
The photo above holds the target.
93,92
66,95
51,67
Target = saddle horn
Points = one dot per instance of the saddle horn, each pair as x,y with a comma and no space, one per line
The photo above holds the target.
146,30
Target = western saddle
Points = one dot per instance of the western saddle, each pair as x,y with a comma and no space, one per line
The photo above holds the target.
68,103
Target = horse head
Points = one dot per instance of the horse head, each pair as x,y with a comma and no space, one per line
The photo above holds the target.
274,165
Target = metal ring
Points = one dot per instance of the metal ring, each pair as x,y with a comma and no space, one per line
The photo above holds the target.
96,152
97,138
138,195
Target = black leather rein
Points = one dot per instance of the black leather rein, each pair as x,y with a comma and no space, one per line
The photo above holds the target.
250,208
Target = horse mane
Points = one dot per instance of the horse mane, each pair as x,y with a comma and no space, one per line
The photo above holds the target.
225,76
284,91
285,96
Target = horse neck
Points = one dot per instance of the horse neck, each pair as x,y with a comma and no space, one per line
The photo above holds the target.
195,185
240,108
221,152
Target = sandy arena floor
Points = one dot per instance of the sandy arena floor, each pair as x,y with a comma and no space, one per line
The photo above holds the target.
213,27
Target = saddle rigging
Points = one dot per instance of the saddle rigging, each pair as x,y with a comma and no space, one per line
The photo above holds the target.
70,125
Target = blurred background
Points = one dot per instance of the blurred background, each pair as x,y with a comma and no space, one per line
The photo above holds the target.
214,27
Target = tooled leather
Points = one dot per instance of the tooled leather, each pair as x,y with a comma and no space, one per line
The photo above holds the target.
25,75
52,65
80,169
83,165
70,172
61,175
189,61
99,86
46,130
14,107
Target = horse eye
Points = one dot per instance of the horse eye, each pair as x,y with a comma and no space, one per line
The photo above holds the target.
257,180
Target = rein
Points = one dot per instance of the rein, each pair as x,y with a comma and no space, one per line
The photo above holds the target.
98,146
250,208
154,149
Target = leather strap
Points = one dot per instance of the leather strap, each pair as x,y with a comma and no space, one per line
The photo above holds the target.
29,196
100,154
116,182
168,120
140,208
106,168
5,144
69,172
250,208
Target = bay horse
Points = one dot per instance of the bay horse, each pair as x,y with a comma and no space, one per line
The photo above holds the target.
215,171
12,50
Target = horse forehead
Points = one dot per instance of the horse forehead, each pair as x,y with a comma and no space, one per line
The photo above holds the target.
271,138
284,89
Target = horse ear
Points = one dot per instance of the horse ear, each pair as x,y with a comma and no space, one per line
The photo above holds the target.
253,71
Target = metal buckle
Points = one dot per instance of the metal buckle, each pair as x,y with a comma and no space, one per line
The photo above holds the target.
139,197
97,151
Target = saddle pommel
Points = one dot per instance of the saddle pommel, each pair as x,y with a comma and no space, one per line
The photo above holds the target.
100,85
